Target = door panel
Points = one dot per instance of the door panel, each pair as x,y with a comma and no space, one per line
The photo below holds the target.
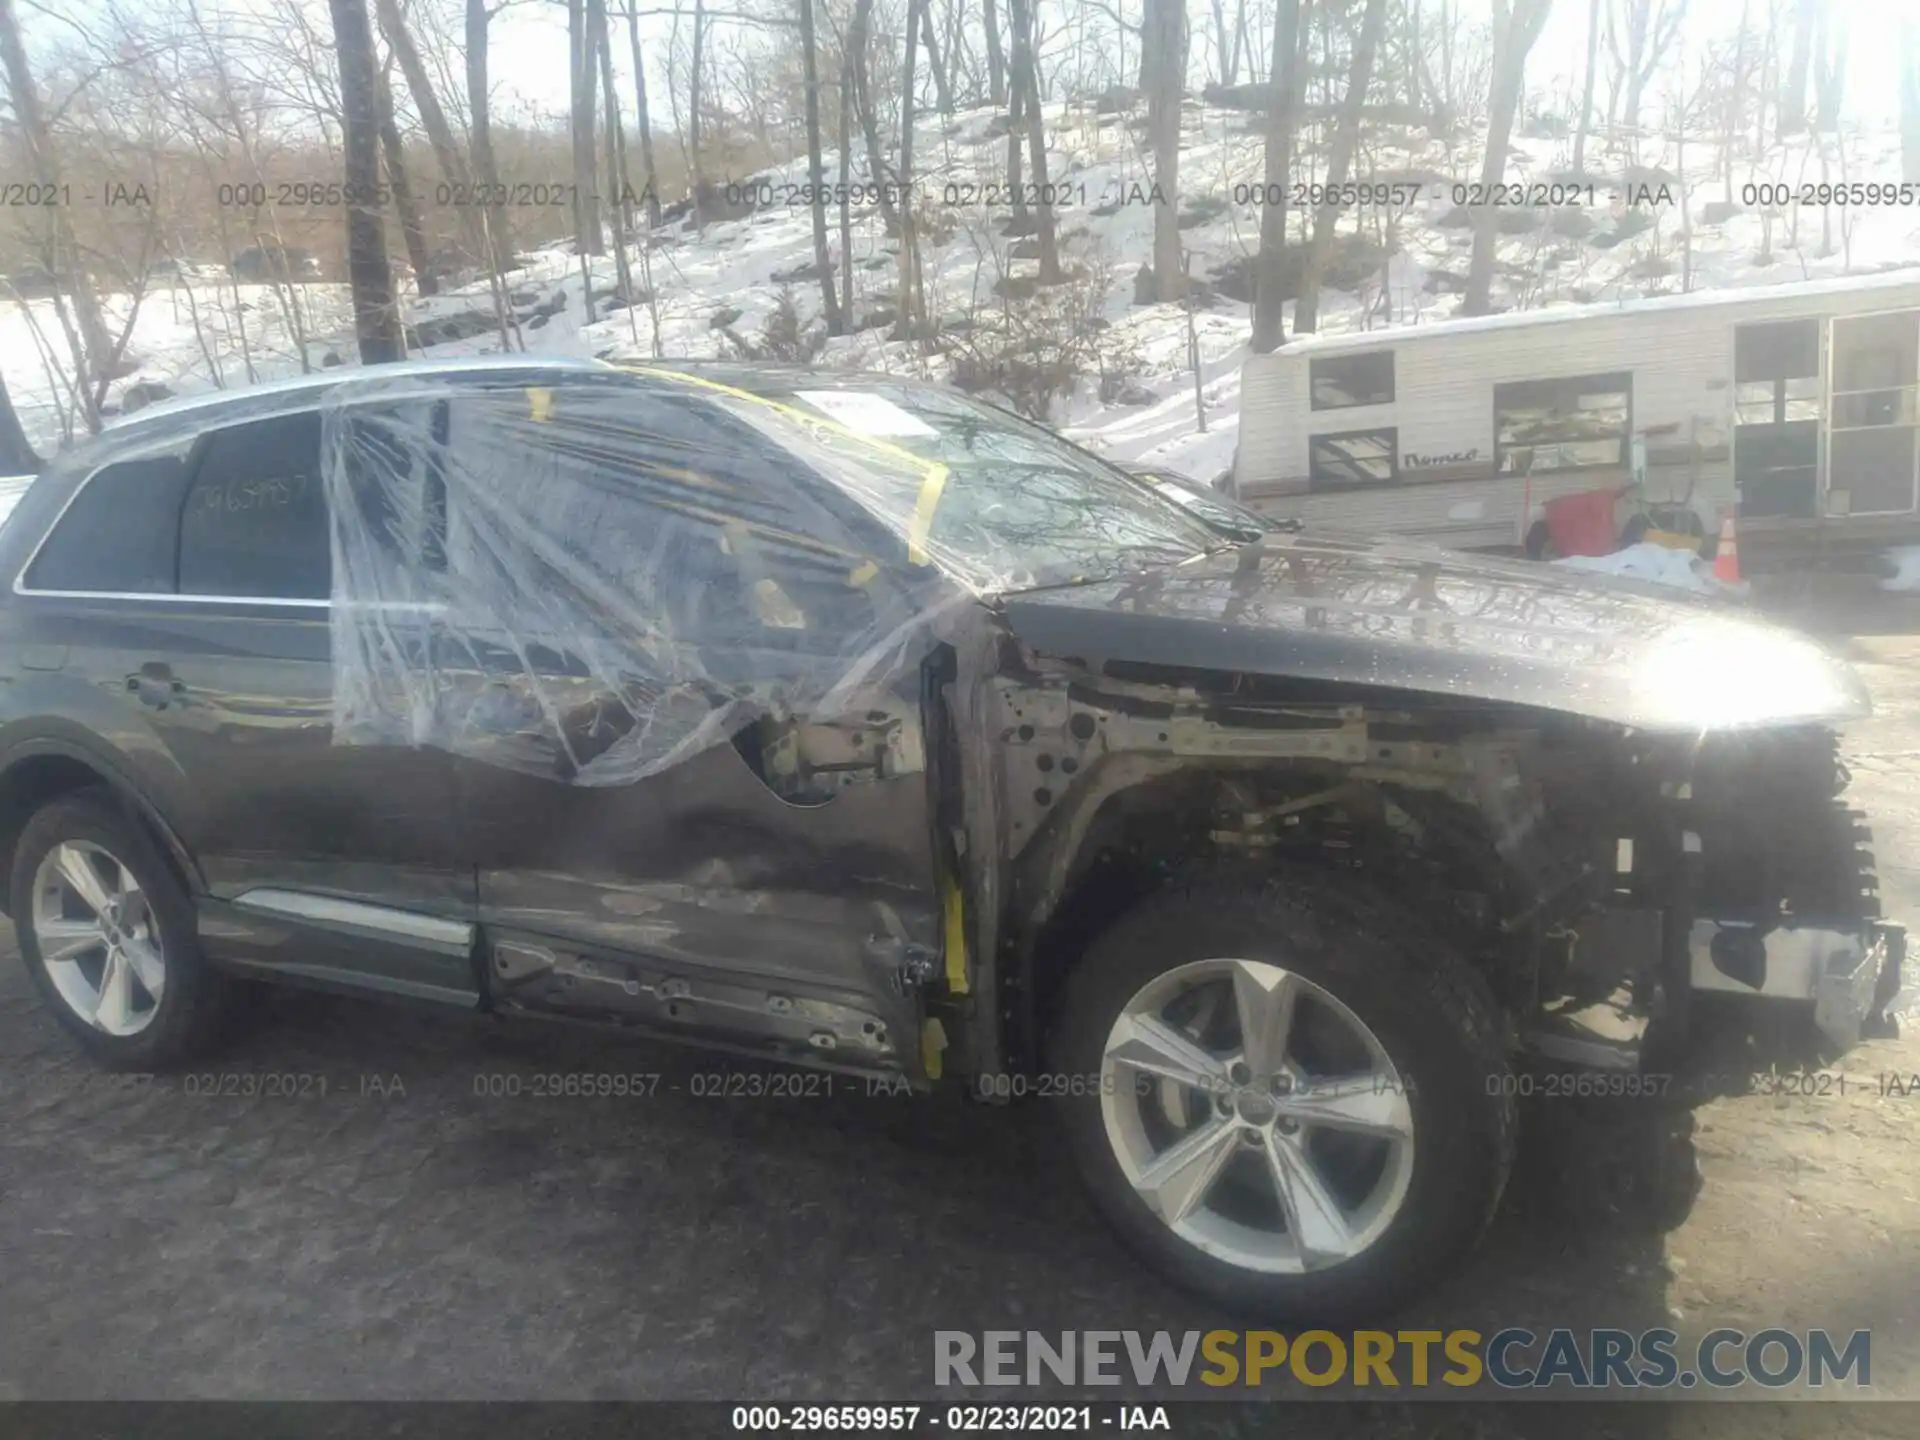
219,680
746,893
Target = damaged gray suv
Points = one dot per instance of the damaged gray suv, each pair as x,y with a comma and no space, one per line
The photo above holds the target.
851,722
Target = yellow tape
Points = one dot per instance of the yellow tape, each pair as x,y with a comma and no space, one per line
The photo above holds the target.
933,474
923,508
933,1040
956,938
862,574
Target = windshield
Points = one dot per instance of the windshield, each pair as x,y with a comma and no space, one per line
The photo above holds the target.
996,502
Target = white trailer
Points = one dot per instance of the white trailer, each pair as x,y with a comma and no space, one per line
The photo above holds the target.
1796,405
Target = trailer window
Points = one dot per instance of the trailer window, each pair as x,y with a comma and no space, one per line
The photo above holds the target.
1358,457
1570,423
1340,382
1776,373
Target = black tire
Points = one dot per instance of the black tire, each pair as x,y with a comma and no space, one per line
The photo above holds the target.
1427,1007
1539,543
188,1018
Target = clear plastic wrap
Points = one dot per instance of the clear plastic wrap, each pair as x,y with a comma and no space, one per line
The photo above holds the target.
594,578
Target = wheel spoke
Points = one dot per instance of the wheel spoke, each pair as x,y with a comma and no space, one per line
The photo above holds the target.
1147,1043
64,941
77,870
1178,1179
115,1009
146,965
1368,1104
1314,1217
1264,997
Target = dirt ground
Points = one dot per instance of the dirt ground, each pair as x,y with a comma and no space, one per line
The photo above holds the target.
407,1234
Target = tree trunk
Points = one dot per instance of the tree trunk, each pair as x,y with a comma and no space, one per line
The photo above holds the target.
1830,74
903,324
1016,109
1586,90
1270,279
1026,80
1219,39
1240,46
480,130
17,456
1165,43
376,323
1516,26
847,89
1793,96
644,121
404,203
996,57
942,84
620,210
1910,103
63,261
817,172
693,97
1736,93
883,192
1346,140
587,239
453,167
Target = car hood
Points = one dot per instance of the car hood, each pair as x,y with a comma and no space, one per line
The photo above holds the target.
1408,616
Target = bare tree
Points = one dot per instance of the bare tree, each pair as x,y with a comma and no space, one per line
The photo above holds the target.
694,99
1639,34
1586,89
651,176
996,57
16,452
1516,25
1829,69
911,300
376,321
406,204
1346,140
942,83
582,108
1793,95
816,171
480,134
433,119
63,259
620,212
1166,53
1910,102
1270,276
1026,83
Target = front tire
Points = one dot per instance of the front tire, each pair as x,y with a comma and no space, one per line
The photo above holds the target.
107,932
1304,1110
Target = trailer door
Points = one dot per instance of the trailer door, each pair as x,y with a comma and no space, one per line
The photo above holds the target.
1777,413
1873,445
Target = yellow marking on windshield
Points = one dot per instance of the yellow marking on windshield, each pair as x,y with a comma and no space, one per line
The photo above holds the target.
933,474
539,404
931,485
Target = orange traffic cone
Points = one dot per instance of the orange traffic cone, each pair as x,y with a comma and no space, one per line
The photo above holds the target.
1726,556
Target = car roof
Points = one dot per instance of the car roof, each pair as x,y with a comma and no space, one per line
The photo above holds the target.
302,392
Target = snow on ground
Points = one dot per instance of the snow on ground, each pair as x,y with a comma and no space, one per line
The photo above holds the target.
708,282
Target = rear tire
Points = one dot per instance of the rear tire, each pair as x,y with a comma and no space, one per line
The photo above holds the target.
1413,1011
134,990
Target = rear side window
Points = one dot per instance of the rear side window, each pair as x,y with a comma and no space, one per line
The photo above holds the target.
255,521
117,536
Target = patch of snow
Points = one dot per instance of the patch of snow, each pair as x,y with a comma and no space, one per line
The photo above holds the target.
1659,564
1904,563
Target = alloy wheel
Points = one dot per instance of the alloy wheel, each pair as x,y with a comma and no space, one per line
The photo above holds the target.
98,938
1257,1116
